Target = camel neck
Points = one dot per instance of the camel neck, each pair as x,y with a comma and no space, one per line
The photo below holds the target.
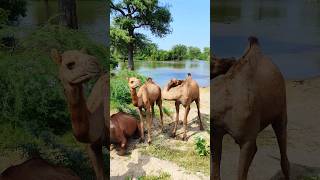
79,113
134,96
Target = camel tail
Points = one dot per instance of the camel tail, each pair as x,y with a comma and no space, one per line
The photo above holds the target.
253,40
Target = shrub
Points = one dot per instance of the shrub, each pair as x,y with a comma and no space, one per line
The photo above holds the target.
201,146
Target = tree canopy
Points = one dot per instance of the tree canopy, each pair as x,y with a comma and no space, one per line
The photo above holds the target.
13,9
129,15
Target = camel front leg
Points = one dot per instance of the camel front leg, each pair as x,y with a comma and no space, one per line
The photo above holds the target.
185,121
149,124
141,125
161,113
217,151
95,155
177,104
247,151
199,114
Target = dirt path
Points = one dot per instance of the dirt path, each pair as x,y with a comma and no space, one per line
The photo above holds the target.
137,164
303,99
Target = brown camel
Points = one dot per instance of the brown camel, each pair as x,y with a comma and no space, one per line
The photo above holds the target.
37,169
149,94
89,124
122,126
183,92
250,96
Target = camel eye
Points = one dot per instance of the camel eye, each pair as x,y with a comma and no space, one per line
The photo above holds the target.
71,65
131,82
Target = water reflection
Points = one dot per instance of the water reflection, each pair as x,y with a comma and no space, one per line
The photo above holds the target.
162,72
288,31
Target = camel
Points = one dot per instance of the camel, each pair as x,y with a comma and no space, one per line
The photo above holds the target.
246,99
149,94
122,126
183,92
221,65
37,169
88,117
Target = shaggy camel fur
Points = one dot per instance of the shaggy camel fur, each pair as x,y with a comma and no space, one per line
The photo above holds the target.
183,92
37,169
148,94
250,96
88,119
122,126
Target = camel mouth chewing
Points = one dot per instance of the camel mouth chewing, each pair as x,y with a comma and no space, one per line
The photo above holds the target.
81,79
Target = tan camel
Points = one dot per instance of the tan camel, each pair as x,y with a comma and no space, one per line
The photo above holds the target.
122,126
183,92
37,169
149,94
250,96
89,124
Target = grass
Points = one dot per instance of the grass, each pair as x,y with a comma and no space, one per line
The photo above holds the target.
161,176
189,159
311,178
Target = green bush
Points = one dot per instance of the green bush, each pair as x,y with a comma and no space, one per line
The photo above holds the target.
201,146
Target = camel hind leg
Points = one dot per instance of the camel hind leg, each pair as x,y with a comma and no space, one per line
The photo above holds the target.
159,103
280,129
217,151
199,114
96,157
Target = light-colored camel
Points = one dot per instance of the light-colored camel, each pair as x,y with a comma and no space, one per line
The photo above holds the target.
250,96
149,94
122,126
88,117
183,92
37,169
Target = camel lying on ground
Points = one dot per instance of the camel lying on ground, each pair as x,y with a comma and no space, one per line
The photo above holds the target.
149,94
122,126
246,99
89,124
183,92
37,169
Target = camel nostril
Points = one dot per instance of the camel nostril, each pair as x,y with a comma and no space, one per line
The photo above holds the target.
70,65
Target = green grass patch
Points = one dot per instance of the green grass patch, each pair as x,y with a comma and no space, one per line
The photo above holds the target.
189,159
161,176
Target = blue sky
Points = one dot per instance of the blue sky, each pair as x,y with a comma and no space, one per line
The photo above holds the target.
190,26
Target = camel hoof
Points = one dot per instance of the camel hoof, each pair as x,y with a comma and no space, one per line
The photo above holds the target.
201,128
121,152
149,142
184,138
173,135
141,140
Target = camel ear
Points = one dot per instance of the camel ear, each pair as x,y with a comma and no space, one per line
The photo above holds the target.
56,57
84,51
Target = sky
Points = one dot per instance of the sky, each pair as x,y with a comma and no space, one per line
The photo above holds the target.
190,25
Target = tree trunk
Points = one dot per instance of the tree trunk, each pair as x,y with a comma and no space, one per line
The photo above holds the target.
68,9
130,53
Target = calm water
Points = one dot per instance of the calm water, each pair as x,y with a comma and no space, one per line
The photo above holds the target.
162,72
289,32
92,16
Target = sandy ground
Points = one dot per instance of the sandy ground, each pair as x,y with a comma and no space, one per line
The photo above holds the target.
303,99
136,164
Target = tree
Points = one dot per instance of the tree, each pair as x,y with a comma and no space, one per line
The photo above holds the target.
130,15
68,9
205,55
14,9
179,52
194,52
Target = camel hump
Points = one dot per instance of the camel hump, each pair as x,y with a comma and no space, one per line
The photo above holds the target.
253,40
149,79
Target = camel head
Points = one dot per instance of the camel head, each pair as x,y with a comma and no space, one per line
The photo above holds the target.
134,82
221,66
75,67
173,83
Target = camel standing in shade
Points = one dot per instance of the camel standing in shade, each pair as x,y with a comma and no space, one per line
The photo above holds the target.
149,94
89,120
183,92
246,97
